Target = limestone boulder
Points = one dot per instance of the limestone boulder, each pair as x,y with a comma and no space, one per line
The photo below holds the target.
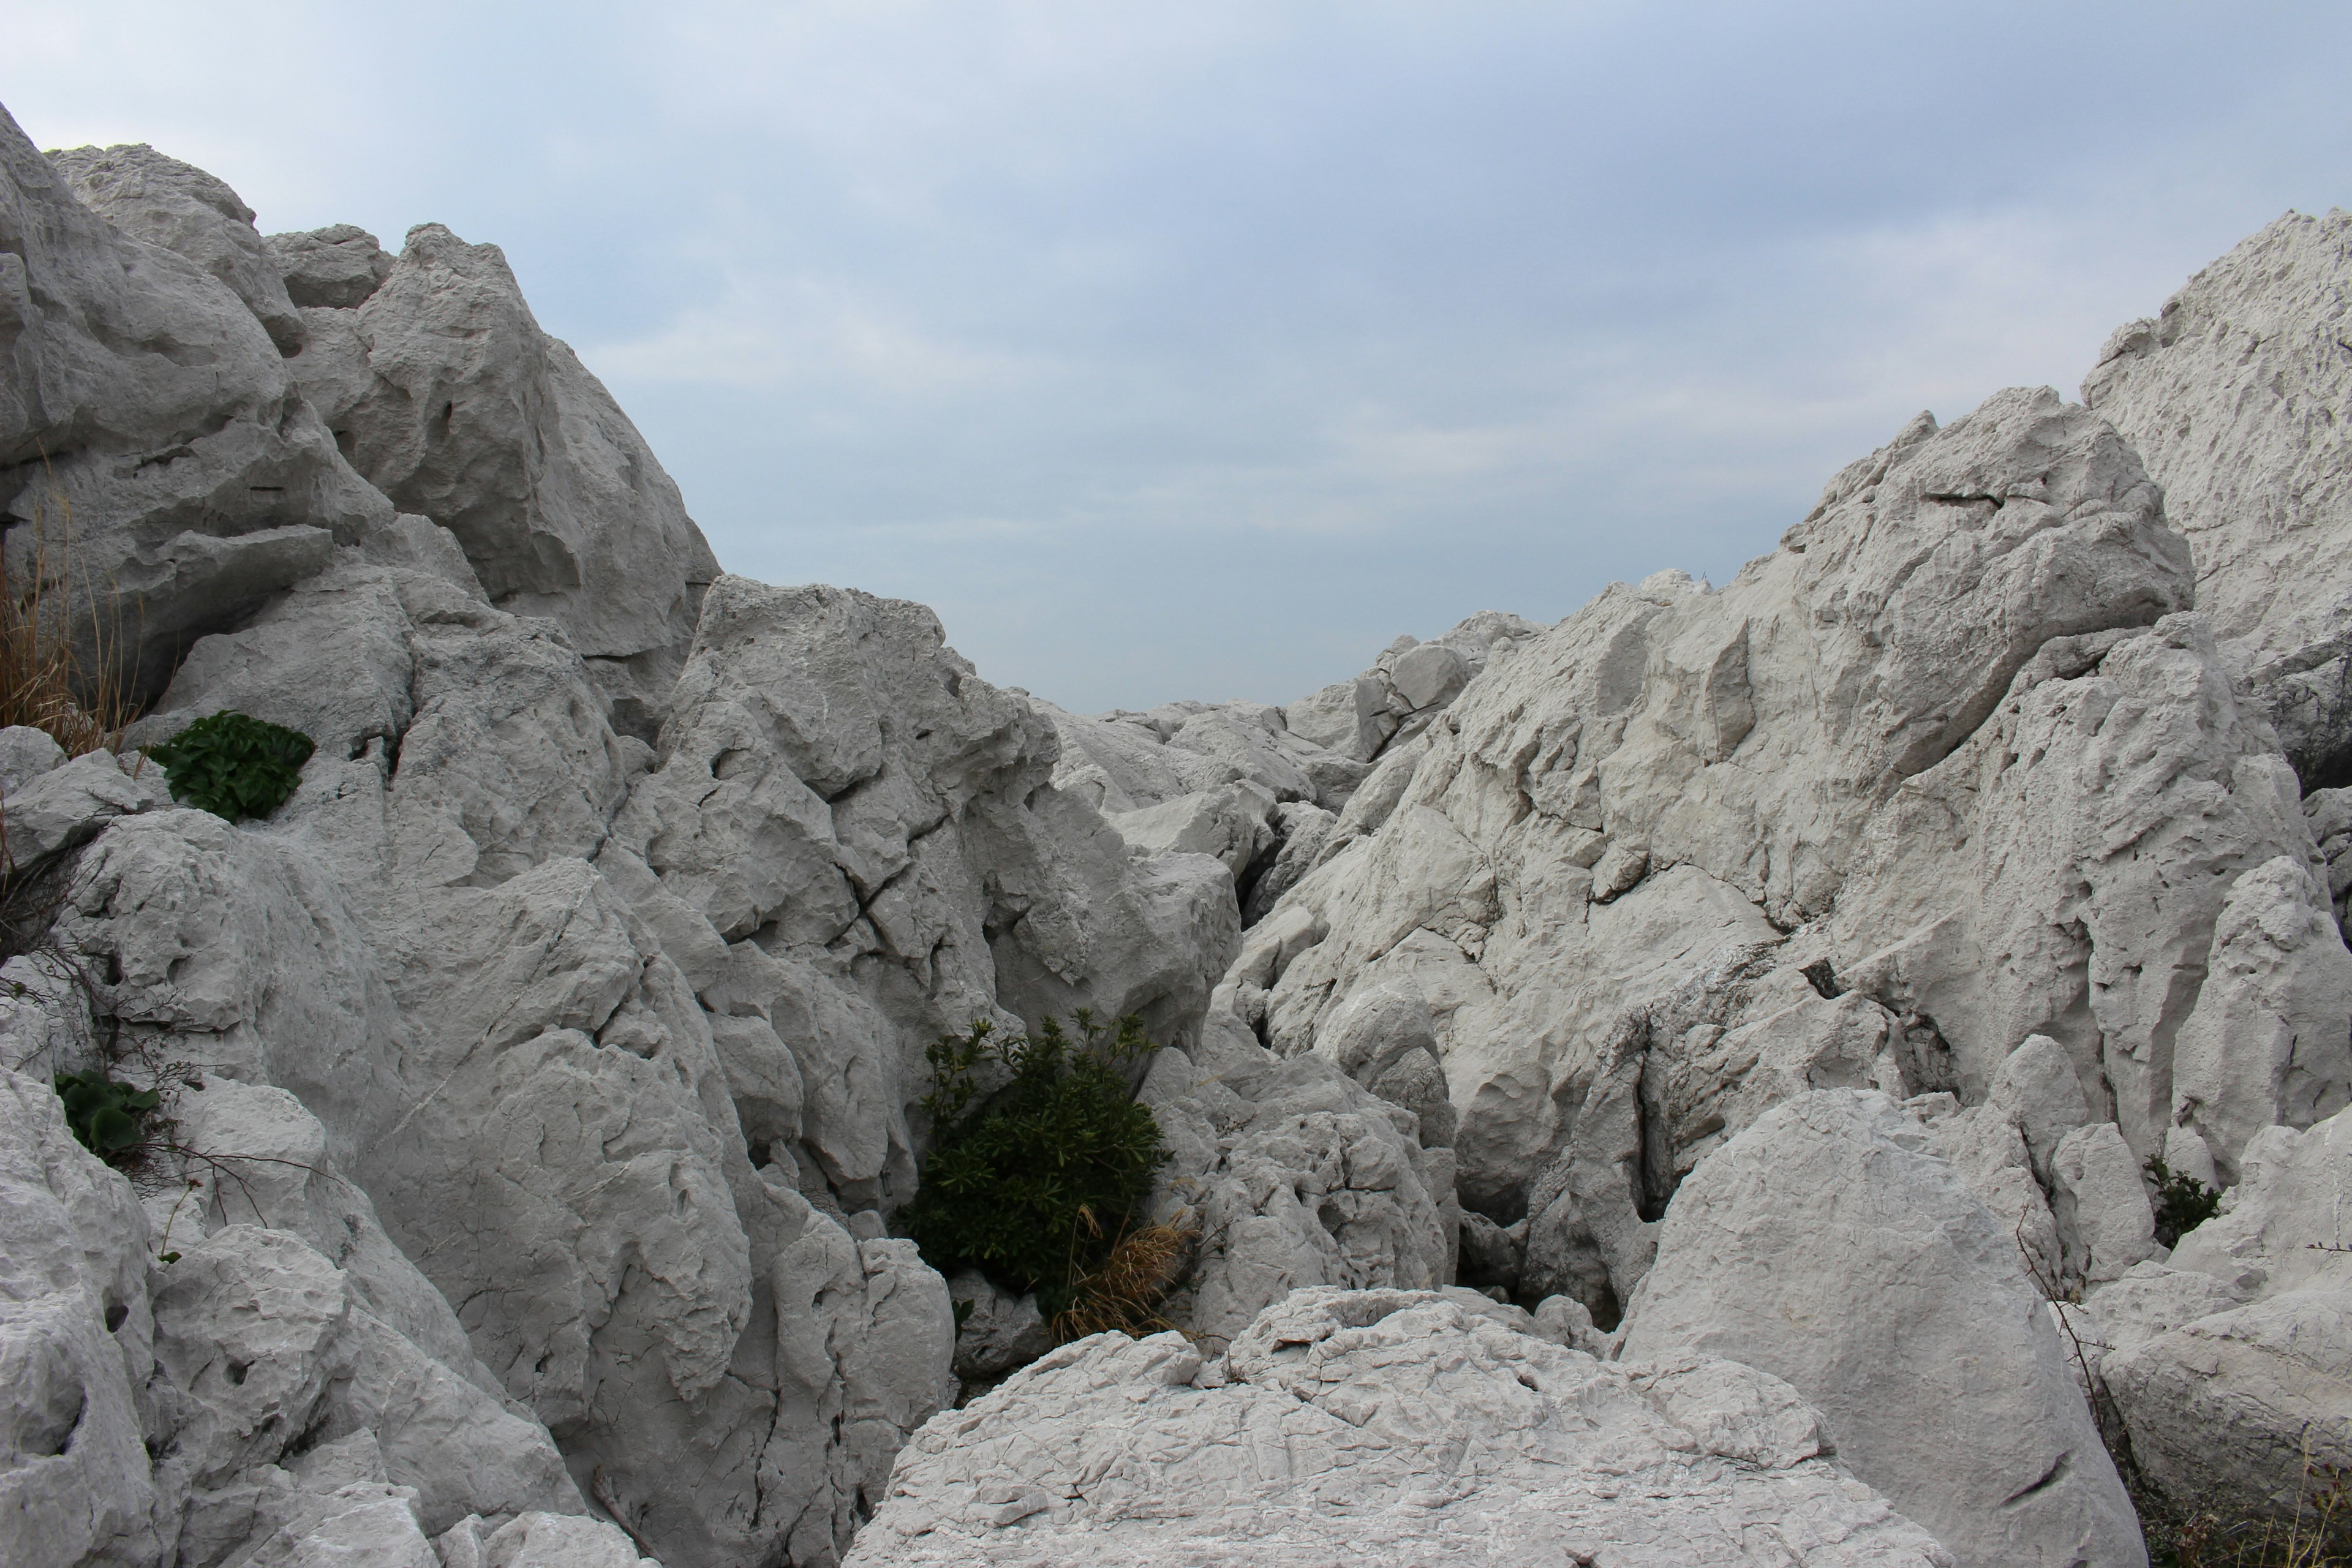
451,400
143,401
2052,877
335,268
2236,396
997,1331
77,1352
1676,774
1231,823
2268,1041
867,838
273,1351
1397,1424
25,753
2104,1218
179,207
2231,1363
64,807
1295,1175
1828,1247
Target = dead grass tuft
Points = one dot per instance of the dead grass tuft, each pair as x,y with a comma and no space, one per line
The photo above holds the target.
1125,1292
50,679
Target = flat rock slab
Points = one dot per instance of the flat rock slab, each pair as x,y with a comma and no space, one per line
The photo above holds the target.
1383,1427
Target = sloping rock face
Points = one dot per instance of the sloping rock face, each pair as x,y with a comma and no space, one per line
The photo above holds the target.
855,842
440,385
1262,787
1826,1245
2232,1362
616,1044
152,439
1667,785
2237,396
1353,1425
540,1079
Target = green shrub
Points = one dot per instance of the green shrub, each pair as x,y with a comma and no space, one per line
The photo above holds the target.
2182,1202
110,1118
1035,1185
233,765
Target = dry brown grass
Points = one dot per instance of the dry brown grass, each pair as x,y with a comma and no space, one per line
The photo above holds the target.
50,678
1126,1291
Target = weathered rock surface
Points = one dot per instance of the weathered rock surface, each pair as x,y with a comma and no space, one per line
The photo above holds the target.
1379,1425
142,399
1828,1247
179,207
448,395
1674,777
540,1076
2238,396
2232,1363
1296,1177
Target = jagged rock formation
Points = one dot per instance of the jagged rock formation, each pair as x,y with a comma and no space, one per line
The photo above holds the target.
1826,1244
444,391
541,1077
2237,396
1382,1424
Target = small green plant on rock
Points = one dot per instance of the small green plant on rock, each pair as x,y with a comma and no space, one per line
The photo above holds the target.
2182,1202
234,765
1037,1184
109,1119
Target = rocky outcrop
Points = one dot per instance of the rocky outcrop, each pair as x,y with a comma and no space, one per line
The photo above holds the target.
1826,1245
2237,396
1674,777
152,439
541,1080
1244,782
1384,1424
2231,1363
439,384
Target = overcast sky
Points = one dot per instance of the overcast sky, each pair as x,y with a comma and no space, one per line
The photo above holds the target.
1199,349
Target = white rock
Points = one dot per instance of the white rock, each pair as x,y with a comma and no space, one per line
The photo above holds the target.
1826,1246
76,1350
1295,1176
265,1336
64,807
1385,1426
25,753
2063,871
2270,1038
471,414
335,268
1670,746
2037,1089
998,1331
1231,825
2233,1367
2104,1220
126,352
180,207
2237,397
2231,1409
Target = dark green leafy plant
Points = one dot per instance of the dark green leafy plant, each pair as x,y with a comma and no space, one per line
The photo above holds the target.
234,765
1035,1185
2182,1202
110,1118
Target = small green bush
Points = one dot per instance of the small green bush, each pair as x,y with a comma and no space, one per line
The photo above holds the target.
234,765
110,1118
2182,1202
1036,1183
